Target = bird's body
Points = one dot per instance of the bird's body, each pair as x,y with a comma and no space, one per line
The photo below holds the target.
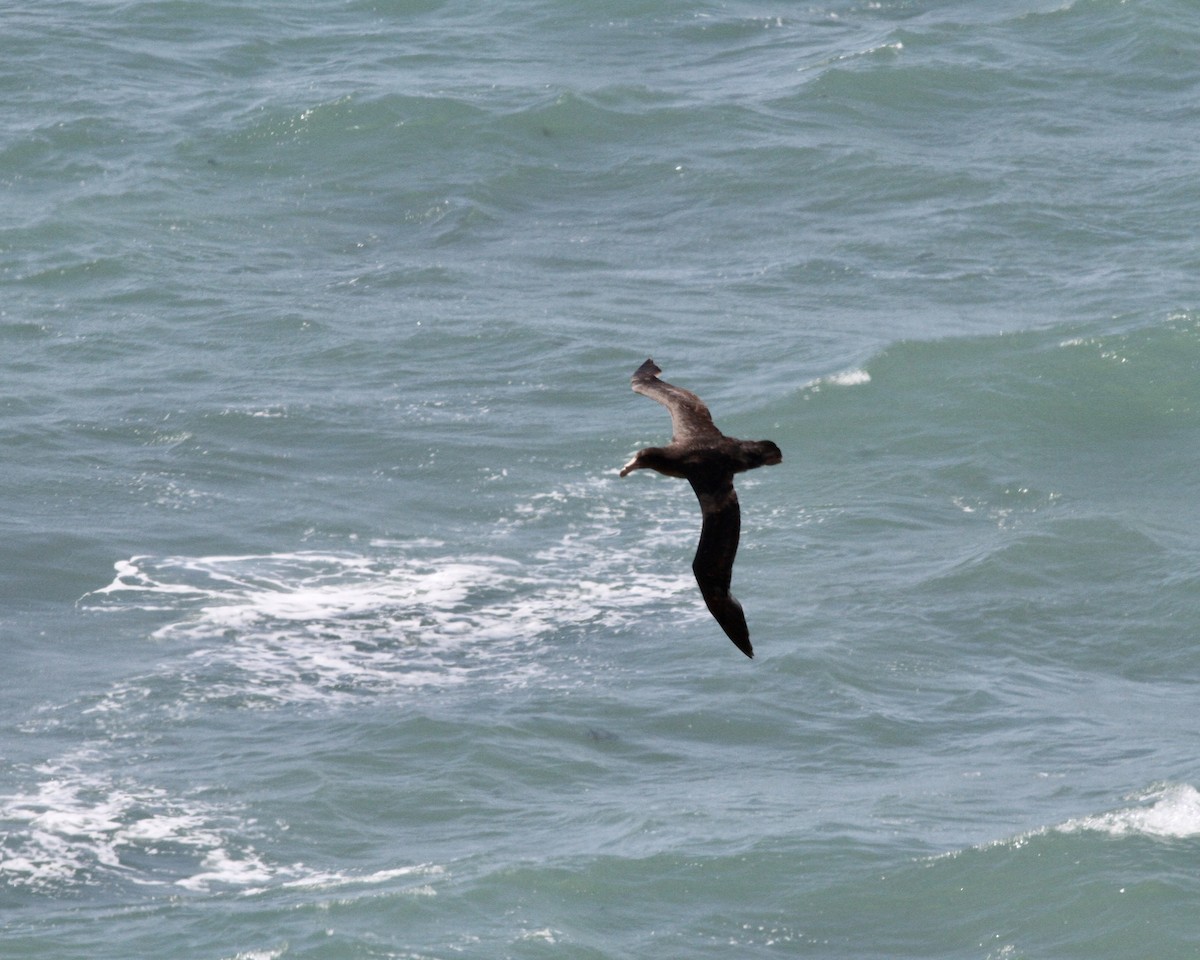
707,459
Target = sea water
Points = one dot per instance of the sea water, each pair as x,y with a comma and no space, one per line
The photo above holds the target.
328,629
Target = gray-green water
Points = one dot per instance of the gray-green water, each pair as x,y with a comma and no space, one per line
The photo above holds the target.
328,629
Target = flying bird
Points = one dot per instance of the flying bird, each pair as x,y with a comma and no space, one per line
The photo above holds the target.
707,459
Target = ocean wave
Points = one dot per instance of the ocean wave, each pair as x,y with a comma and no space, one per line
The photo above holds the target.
82,824
1167,811
847,378
282,628
308,630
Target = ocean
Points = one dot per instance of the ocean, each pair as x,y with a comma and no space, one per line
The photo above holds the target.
329,631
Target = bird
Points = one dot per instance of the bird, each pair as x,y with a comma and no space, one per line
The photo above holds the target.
707,459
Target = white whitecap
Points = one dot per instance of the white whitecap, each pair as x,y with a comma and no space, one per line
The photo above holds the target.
1164,812
847,378
335,879
313,626
1174,813
80,820
259,630
260,954
317,628
81,823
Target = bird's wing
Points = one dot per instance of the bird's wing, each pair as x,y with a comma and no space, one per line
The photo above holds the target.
690,419
713,564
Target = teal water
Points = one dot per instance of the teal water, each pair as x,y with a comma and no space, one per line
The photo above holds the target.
329,630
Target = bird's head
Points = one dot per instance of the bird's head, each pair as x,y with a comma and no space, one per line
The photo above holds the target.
763,453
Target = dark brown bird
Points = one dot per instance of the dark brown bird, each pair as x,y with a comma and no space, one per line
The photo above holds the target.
707,459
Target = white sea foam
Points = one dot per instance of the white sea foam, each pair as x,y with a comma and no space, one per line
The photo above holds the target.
337,879
316,628
1173,812
260,954
847,378
81,823
312,626
264,631
1166,811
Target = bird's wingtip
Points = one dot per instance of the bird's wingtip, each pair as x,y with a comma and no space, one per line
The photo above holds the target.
647,370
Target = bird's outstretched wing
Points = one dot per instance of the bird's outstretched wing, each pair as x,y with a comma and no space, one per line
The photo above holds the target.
690,419
713,564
